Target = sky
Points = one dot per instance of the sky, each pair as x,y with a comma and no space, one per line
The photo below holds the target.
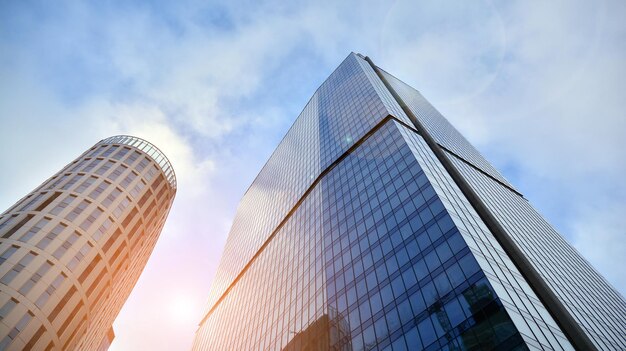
538,87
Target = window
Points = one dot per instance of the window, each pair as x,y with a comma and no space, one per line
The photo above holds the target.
45,296
137,189
85,184
119,155
34,230
92,165
111,197
43,269
141,165
105,167
121,207
7,221
109,151
117,172
8,253
103,228
61,250
80,255
133,157
46,240
99,190
58,181
32,201
77,210
17,268
95,214
72,181
63,204
7,308
129,179
79,164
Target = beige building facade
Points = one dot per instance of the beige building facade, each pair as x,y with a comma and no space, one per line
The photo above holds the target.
72,250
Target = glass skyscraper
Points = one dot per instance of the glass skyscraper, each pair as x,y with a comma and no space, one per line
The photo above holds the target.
72,249
375,225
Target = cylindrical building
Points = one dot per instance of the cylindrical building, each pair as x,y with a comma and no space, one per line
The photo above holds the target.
72,250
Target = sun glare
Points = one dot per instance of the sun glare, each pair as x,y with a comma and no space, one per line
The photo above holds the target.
183,309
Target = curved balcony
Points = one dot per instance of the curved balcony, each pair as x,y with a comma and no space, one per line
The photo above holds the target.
157,155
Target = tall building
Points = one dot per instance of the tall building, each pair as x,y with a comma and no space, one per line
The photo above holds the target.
72,250
376,225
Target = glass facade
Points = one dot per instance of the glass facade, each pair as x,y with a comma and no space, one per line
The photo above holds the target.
595,305
355,236
397,267
328,126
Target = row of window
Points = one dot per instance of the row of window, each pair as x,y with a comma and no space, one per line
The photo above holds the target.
595,305
94,203
281,292
395,255
364,301
328,126
513,291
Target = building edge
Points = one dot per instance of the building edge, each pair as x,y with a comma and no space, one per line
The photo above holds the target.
141,174
556,308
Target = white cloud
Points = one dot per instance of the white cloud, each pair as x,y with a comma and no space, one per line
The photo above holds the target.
598,233
548,108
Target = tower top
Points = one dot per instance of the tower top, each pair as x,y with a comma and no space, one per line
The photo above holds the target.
154,152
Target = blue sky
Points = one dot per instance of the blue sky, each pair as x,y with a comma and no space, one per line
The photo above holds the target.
538,88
